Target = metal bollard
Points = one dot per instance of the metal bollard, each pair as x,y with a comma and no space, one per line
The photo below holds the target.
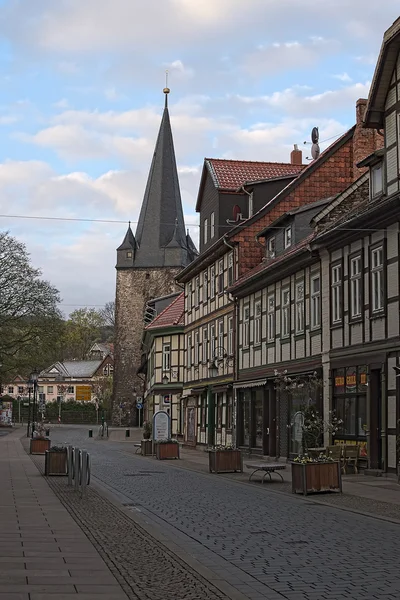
47,432
70,464
84,472
90,433
77,453
127,433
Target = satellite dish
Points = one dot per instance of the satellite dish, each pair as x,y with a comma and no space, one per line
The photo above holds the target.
315,135
315,151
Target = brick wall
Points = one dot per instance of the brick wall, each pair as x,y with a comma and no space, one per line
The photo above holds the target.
365,141
134,288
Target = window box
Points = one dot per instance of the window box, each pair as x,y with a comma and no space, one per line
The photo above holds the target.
39,445
167,450
309,478
55,462
225,461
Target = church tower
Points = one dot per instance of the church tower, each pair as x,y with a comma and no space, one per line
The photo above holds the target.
147,264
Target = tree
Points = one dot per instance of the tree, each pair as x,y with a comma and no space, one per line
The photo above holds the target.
108,314
102,390
81,330
29,317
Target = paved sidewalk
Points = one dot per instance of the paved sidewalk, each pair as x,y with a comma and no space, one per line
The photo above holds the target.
44,555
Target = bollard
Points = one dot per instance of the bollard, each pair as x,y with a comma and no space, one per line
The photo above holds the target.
83,472
127,433
76,467
70,464
47,432
90,432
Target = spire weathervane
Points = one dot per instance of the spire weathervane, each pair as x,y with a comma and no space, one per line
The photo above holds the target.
166,90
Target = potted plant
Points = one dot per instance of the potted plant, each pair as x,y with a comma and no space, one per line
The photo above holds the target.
39,442
146,443
320,474
55,462
166,449
225,459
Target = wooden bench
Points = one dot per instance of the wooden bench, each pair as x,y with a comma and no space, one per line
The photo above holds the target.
267,468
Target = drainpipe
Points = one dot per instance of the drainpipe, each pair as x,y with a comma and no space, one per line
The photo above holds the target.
250,195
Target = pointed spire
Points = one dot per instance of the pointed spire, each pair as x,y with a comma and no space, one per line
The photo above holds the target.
166,90
129,242
161,217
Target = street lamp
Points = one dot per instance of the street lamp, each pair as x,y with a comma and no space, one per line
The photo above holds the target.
165,379
61,389
34,378
30,388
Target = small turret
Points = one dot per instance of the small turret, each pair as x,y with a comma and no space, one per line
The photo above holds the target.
127,250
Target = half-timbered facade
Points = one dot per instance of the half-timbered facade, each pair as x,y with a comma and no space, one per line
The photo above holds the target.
163,346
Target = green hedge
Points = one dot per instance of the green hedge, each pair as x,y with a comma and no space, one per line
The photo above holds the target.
71,412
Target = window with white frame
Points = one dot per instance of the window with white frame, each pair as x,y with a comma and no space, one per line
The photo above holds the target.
287,241
376,180
299,306
70,389
205,286
212,225
197,292
285,313
196,348
205,231
189,296
166,357
271,318
212,281
221,277
230,268
377,286
205,344
315,295
189,351
336,291
10,389
49,389
220,336
355,287
257,322
246,326
230,336
271,247
212,341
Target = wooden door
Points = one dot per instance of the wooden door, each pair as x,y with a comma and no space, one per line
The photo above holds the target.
375,442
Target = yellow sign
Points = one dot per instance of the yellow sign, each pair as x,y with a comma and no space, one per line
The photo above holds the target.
363,445
83,393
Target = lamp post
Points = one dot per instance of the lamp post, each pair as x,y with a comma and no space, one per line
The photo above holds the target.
34,379
30,388
61,389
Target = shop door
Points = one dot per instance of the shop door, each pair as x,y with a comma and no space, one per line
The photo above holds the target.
375,444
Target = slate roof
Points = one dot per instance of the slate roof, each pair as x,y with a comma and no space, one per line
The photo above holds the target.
78,369
129,242
171,316
230,175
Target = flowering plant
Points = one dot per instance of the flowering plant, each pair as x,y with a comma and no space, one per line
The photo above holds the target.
219,448
169,441
305,458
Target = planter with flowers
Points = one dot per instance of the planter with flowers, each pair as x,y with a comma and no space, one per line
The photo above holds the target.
166,449
55,462
146,443
225,459
313,470
39,442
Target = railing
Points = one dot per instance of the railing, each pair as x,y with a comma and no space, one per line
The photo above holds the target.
78,462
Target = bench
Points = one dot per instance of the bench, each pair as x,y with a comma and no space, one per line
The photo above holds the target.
267,468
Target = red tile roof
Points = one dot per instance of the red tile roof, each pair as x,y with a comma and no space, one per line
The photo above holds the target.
230,175
171,316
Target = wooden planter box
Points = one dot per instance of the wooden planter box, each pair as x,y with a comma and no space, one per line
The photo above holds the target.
225,461
146,448
309,478
55,463
165,451
39,445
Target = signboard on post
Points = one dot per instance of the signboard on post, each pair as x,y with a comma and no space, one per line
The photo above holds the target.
83,393
161,426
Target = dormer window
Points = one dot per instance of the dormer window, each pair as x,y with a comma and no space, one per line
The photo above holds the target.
376,178
271,247
287,242
129,254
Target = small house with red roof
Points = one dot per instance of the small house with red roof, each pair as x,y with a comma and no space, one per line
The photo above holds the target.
163,364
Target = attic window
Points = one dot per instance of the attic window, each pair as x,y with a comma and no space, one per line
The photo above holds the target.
288,237
271,248
376,178
129,254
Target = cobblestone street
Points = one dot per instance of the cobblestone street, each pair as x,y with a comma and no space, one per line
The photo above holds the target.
265,545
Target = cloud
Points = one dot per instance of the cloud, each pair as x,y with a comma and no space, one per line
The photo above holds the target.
343,77
179,70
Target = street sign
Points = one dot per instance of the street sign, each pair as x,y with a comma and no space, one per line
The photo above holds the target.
139,405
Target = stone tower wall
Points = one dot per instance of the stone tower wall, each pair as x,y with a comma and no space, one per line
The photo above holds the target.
134,288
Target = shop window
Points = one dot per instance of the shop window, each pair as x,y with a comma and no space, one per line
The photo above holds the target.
219,411
229,411
350,402
271,318
336,293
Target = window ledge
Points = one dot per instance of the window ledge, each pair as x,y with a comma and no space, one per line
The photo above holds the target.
379,314
337,325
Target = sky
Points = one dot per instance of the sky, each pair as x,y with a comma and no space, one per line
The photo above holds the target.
81,103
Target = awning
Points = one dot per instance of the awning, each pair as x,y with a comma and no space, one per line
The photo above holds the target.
249,384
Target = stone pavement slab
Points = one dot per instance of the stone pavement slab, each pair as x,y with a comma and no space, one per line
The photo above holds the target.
39,537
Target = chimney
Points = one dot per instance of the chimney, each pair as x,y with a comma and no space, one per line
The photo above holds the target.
365,140
296,156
